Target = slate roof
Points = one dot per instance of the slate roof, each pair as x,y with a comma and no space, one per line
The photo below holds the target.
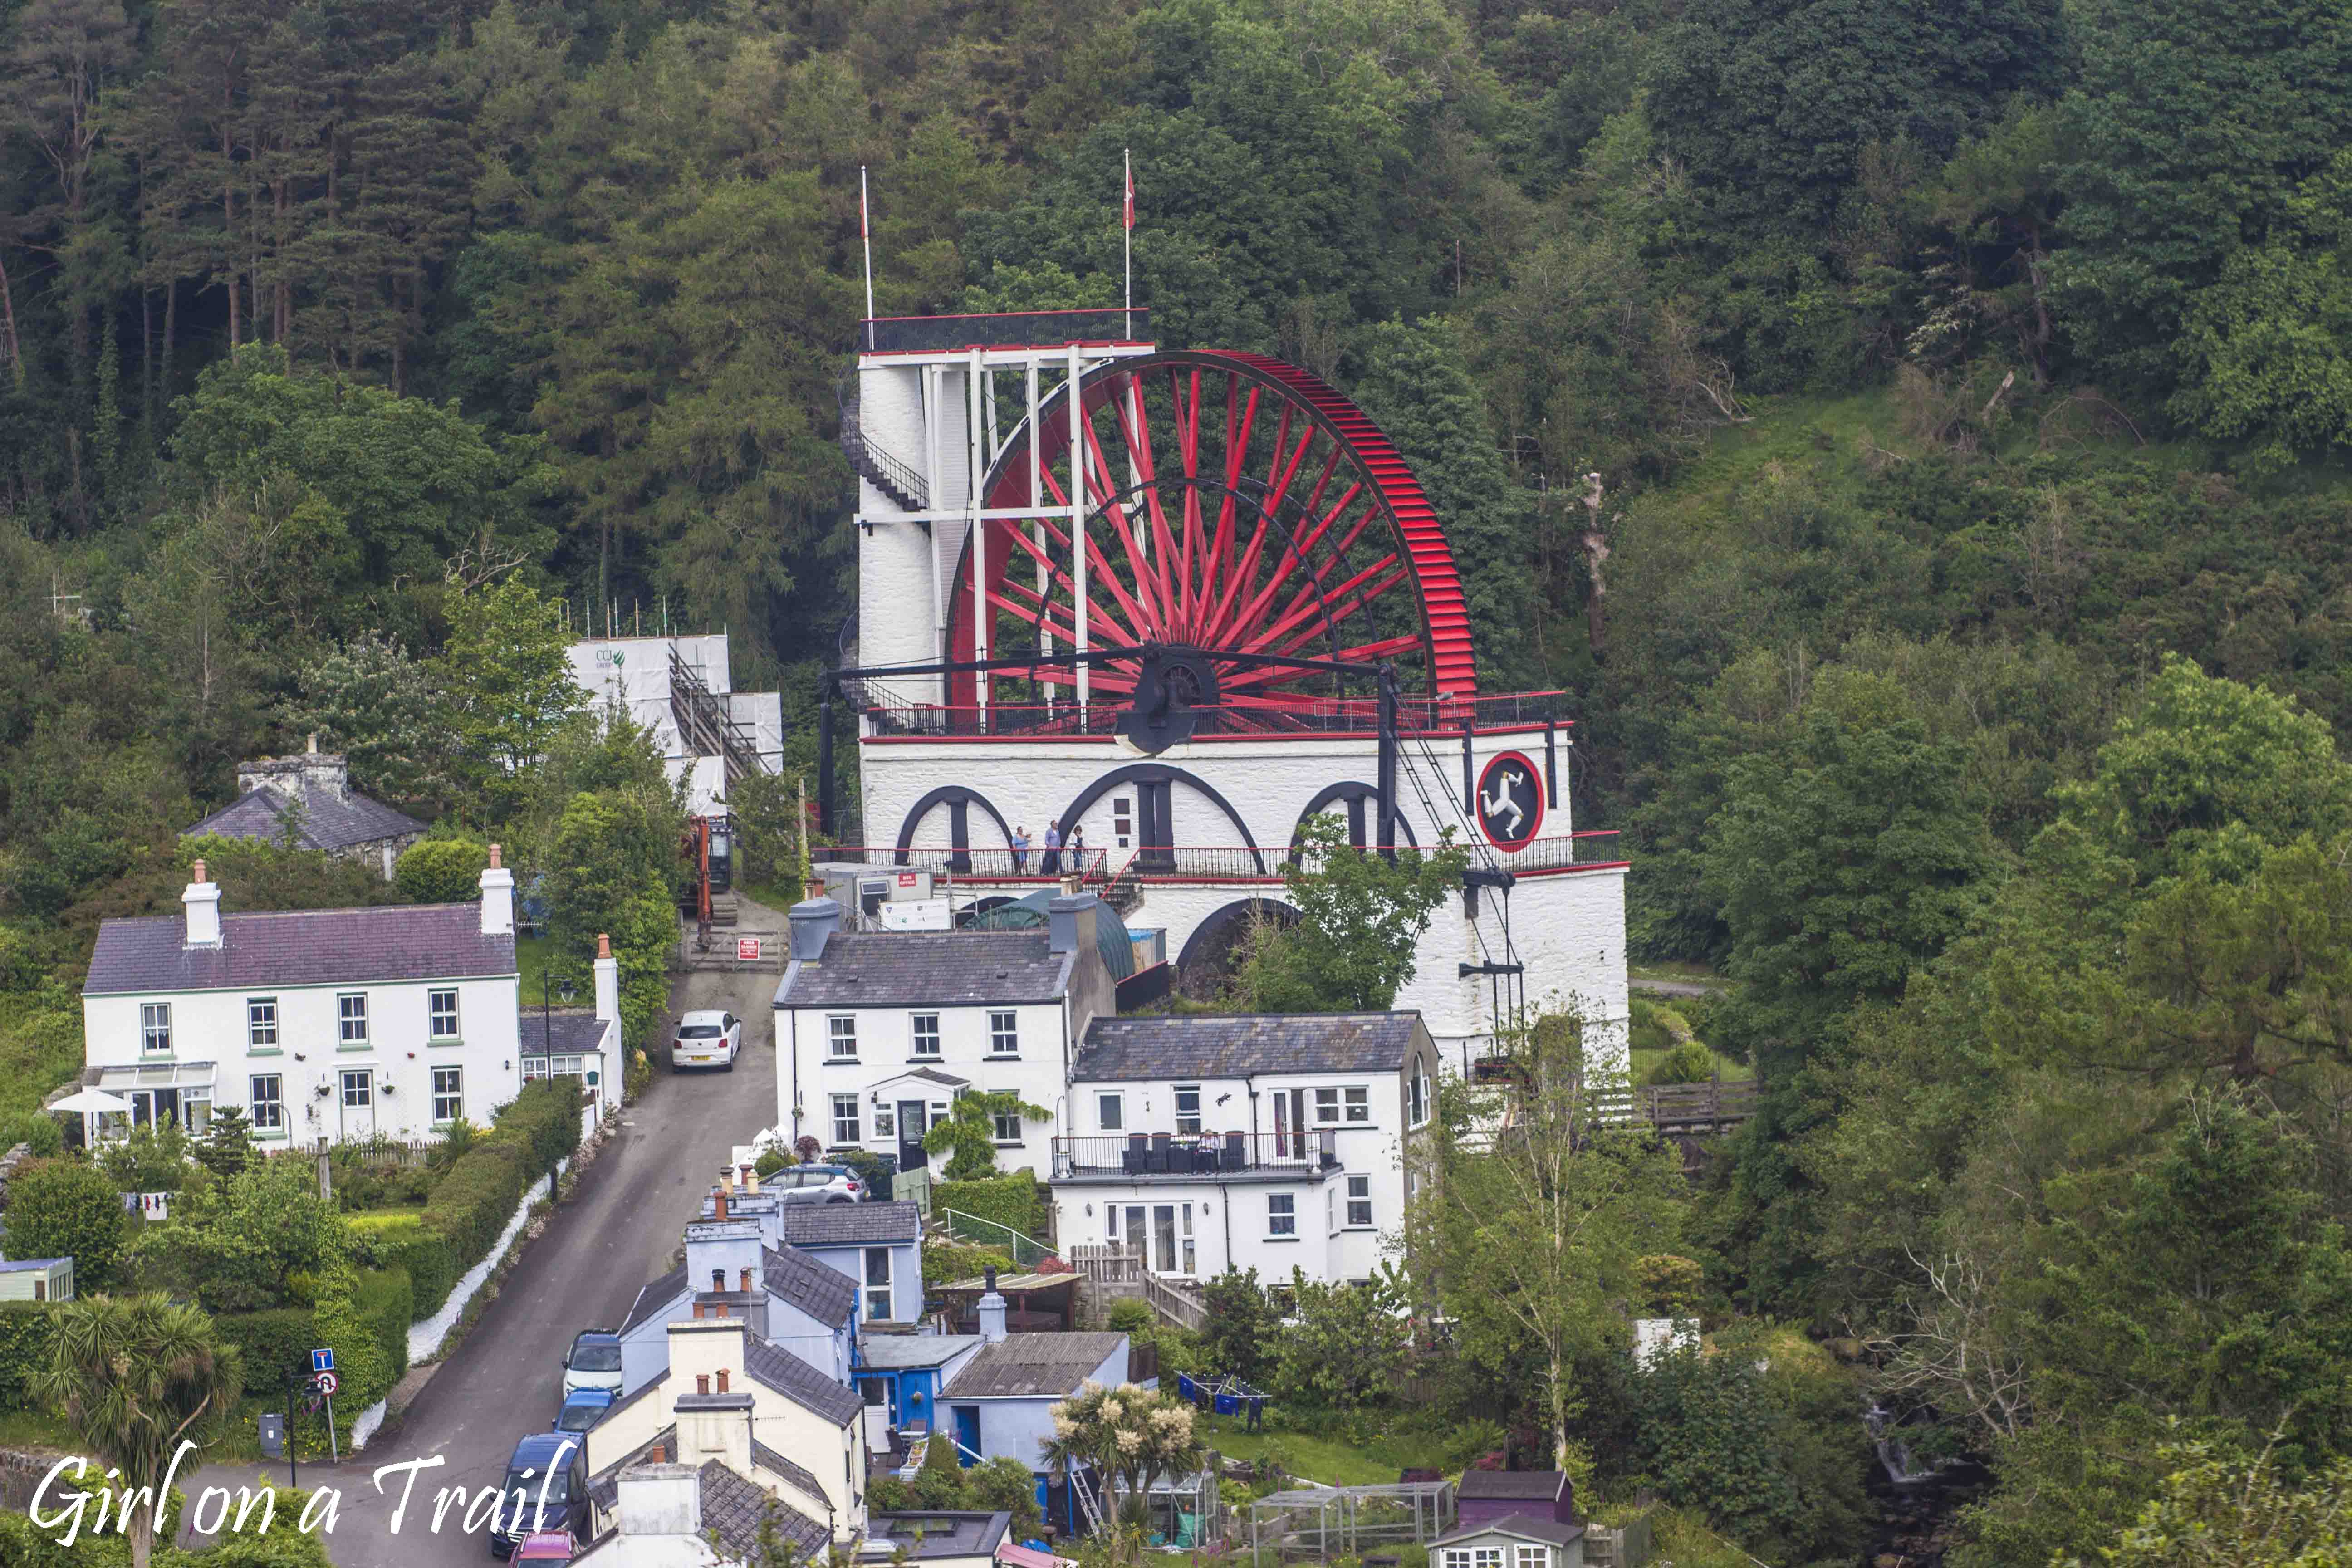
733,1507
896,1353
797,1380
605,1485
327,822
1526,1524
300,947
575,1034
937,1532
1214,1046
1534,1485
940,968
826,1294
775,1464
1032,1366
655,1297
850,1224
932,1075
654,1384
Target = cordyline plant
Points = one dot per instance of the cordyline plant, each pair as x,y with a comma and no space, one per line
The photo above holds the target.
1135,1433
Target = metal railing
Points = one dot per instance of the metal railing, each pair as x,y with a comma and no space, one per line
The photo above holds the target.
1433,717
1203,1154
1181,863
1009,329
1027,1250
893,477
984,864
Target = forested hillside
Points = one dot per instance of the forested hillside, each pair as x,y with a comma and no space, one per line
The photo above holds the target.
1912,435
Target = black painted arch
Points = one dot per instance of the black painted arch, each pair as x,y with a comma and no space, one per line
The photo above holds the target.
947,795
1338,793
1155,772
1216,935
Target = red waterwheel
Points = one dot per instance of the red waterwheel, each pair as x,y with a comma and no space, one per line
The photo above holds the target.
1232,505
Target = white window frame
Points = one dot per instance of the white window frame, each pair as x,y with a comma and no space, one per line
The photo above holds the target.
1357,1104
1111,1113
434,1017
876,1292
454,1094
362,1078
154,1028
1004,1034
845,1115
1486,1556
276,1101
1185,1237
1281,1214
533,1069
885,1120
1360,1203
347,1014
1417,1098
1529,1555
841,1037
998,1121
1187,1121
1327,1107
261,1023
926,1040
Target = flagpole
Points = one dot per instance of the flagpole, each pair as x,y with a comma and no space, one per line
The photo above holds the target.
865,237
1126,235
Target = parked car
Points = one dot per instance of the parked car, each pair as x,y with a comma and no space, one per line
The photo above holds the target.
550,1469
595,1362
815,1184
706,1039
548,1546
583,1409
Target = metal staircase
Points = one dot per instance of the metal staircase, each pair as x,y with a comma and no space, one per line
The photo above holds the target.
706,726
884,472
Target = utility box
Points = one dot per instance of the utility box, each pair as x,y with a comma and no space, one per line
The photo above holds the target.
273,1434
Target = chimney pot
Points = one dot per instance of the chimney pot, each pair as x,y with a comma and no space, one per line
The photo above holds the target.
603,945
722,1380
196,872
718,1279
701,1382
720,1202
723,1308
313,750
698,1311
747,1278
494,857
657,1455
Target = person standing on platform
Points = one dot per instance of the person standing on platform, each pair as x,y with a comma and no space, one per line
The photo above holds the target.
1053,864
1020,849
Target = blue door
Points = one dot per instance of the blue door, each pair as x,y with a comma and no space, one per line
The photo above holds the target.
967,1433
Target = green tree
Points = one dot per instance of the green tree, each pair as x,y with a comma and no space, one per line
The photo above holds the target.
135,1377
1243,1330
441,870
967,1134
1136,1435
1361,916
1347,1349
233,1247
63,1209
381,708
2216,1510
153,1159
507,672
226,1147
1005,1485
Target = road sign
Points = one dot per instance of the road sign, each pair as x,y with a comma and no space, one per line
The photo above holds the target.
323,1359
746,948
326,1383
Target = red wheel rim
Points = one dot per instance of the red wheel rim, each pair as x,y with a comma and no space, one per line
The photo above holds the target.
1233,504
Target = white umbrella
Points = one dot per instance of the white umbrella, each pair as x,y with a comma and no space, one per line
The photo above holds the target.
94,1102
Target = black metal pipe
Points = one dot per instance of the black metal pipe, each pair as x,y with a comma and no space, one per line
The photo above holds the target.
824,755
1388,760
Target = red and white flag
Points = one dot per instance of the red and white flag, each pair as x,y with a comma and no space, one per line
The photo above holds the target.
1130,189
862,231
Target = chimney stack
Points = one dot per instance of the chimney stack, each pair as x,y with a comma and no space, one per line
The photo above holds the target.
719,1202
701,1382
498,897
722,1380
698,1311
608,980
814,921
202,901
746,1274
1070,922
991,1314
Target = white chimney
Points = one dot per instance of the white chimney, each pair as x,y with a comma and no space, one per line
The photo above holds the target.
661,1500
608,980
202,901
498,897
991,1314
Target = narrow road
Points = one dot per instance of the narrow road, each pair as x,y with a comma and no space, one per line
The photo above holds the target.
1676,988
619,1228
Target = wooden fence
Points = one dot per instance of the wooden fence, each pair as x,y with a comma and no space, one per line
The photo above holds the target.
1627,1546
1175,1302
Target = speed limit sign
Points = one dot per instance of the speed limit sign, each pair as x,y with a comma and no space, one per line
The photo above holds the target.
326,1383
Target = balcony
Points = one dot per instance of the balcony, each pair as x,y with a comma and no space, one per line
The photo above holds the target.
1011,328
1184,863
1433,718
1145,1156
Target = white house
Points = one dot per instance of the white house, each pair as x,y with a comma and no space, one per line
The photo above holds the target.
881,1031
790,1299
342,1024
1268,1141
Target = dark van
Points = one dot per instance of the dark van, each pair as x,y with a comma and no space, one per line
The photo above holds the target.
549,1466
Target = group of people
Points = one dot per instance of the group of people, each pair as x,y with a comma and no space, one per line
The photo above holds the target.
1050,864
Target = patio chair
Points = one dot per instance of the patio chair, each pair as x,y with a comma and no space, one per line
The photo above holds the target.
1161,1152
1235,1155
1133,1157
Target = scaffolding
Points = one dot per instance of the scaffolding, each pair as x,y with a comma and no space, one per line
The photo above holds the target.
1327,1521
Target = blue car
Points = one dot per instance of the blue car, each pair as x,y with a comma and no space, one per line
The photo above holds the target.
582,1408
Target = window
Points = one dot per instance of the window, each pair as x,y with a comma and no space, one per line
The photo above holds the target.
533,1069
1005,1033
351,1014
841,1037
1360,1104
1281,1214
1122,819
926,1034
1480,1557
1417,1098
1185,1211
359,1088
844,1119
1109,1113
155,1026
1188,1108
886,1121
1533,1557
441,1007
268,1109
1359,1202
261,1023
448,1094
878,1283
1326,1105
1008,1126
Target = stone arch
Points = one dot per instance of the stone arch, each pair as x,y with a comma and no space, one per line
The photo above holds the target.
1159,772
958,800
1207,961
1363,801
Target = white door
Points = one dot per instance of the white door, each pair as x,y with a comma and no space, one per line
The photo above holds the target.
359,1103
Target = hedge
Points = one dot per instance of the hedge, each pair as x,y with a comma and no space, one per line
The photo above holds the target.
426,1257
274,1343
387,1300
476,1196
26,1328
1010,1200
546,1113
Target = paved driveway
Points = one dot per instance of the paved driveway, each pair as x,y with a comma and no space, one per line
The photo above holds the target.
619,1230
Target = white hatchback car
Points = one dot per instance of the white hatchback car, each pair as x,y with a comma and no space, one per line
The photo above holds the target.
706,1039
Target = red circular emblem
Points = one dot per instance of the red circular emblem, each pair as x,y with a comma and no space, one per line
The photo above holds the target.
1510,802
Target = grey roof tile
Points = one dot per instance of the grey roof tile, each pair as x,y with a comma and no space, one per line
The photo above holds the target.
656,1297
575,1034
326,822
887,1353
797,1380
826,1294
775,1464
1533,1527
1222,1045
734,1507
850,1224
1033,1365
300,947
946,968
1532,1485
